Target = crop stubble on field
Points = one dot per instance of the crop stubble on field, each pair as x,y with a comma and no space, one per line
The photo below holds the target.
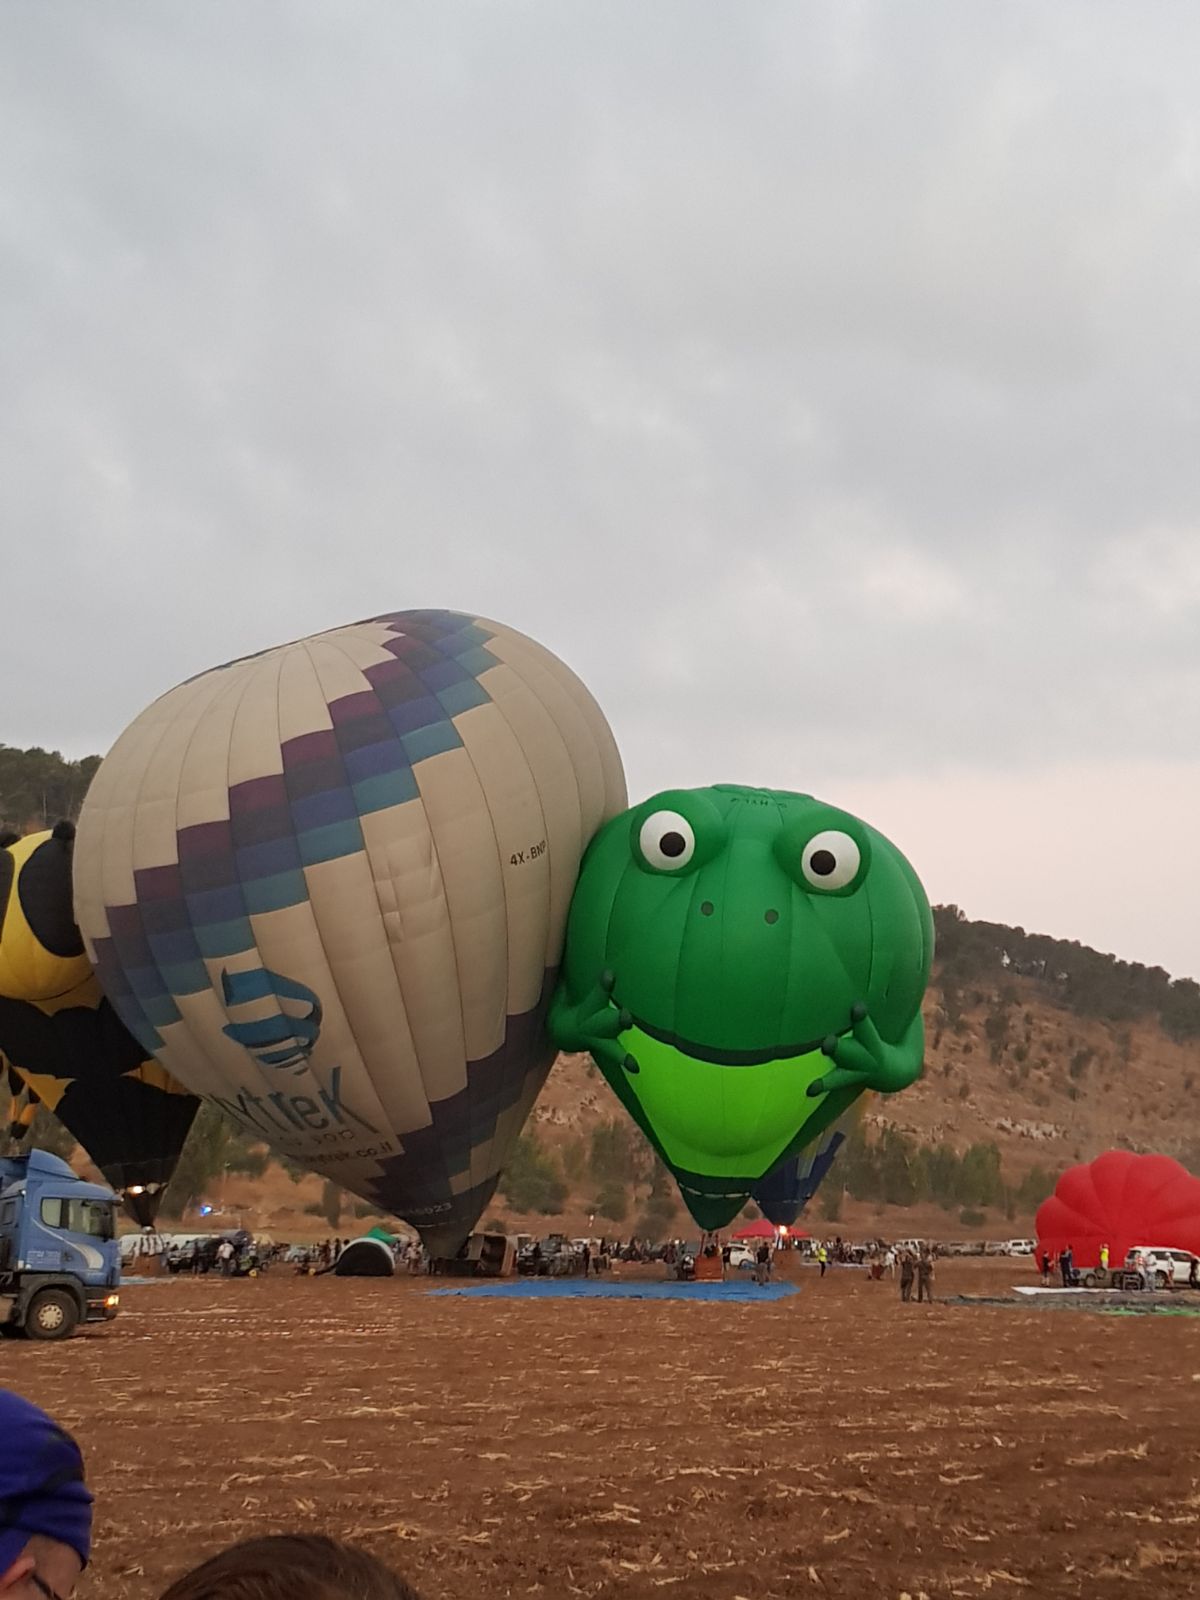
835,1444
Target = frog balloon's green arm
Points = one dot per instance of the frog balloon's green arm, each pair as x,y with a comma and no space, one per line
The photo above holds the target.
862,1060
593,1025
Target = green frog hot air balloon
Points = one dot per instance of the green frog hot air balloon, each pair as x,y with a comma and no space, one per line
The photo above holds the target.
741,963
327,887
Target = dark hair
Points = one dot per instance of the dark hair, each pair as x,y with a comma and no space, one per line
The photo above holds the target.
291,1566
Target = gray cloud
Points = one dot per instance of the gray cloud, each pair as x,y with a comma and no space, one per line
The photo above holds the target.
821,382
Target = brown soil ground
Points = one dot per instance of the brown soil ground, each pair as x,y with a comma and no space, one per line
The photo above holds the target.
836,1444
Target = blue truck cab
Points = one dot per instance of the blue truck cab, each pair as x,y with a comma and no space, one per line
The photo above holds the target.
60,1263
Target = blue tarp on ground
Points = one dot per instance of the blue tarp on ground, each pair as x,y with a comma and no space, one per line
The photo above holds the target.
586,1289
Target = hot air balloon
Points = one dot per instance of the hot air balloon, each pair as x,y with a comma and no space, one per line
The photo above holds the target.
22,1103
327,886
1121,1200
741,964
63,1039
785,1191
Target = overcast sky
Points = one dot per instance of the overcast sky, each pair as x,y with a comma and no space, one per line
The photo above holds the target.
821,381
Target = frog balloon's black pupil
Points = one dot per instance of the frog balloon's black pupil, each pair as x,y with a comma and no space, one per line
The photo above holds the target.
672,844
823,862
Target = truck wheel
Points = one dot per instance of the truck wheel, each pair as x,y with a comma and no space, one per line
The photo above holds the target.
52,1314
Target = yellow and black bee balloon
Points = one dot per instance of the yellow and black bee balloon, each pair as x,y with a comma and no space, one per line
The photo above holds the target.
64,1042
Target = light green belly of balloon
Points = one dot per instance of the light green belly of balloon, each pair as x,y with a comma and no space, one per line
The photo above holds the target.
725,1121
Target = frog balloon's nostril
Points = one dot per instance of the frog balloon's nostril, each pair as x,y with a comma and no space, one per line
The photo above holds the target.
706,908
771,916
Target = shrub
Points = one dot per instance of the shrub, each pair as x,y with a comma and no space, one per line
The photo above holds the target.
532,1180
612,1202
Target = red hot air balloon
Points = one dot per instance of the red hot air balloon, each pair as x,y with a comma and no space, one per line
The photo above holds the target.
1120,1200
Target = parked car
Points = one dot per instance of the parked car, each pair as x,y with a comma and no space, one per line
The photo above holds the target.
740,1255
1021,1247
1168,1265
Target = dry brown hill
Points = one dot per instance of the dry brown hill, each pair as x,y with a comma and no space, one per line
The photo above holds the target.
1007,1063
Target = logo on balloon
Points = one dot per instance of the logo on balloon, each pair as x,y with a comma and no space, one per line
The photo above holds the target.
280,1038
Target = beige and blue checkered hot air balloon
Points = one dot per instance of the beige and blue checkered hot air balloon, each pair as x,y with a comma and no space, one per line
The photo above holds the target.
327,887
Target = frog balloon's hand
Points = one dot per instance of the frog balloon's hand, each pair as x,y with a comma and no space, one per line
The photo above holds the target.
594,1025
862,1060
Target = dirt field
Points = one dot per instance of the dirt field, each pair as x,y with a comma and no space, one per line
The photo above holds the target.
833,1444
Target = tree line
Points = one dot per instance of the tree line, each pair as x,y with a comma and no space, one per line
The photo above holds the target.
613,1172
1075,976
893,1168
607,1173
39,787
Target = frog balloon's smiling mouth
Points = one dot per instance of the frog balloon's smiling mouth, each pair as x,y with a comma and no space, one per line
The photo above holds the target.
733,1058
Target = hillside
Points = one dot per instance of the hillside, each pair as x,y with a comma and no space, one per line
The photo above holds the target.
1048,1052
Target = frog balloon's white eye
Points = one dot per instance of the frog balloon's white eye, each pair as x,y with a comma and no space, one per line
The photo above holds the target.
666,841
830,860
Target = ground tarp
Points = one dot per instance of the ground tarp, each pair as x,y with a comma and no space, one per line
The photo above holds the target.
583,1289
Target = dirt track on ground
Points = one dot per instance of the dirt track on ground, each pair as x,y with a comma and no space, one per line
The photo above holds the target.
833,1444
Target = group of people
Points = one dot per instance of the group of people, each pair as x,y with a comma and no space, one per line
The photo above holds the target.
1064,1264
46,1514
916,1267
1142,1262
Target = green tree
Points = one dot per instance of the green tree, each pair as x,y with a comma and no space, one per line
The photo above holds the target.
46,1132
1037,1185
202,1160
213,1147
532,1181
980,1180
613,1156
612,1202
38,787
331,1203
575,1159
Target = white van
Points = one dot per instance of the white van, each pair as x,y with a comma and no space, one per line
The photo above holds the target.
1021,1247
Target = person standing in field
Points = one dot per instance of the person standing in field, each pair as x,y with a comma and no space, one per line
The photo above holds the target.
906,1274
822,1258
1104,1258
762,1263
1047,1264
925,1277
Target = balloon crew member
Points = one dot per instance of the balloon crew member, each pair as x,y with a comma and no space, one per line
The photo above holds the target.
822,1258
762,1263
925,1277
1066,1262
906,1275
1104,1258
